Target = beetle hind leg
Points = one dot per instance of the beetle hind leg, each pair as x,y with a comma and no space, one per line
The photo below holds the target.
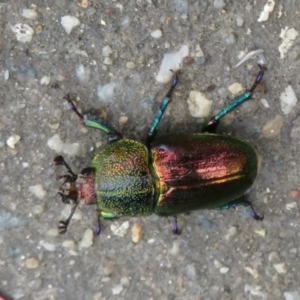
243,201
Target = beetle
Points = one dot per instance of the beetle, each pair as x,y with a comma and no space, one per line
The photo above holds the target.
168,175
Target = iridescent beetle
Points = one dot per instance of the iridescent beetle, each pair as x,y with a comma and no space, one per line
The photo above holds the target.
168,175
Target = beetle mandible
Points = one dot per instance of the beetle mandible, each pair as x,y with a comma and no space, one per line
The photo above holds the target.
168,175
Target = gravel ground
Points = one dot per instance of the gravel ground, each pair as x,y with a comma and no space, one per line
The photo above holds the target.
220,254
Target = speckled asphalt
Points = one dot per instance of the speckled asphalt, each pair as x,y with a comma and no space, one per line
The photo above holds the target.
220,254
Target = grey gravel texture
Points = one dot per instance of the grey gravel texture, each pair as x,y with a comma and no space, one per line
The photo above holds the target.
220,254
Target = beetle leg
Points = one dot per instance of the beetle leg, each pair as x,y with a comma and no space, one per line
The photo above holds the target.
176,229
213,123
63,225
243,201
96,122
162,108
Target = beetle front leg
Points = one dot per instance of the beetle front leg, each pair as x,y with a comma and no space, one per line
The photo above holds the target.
213,123
243,201
162,109
96,122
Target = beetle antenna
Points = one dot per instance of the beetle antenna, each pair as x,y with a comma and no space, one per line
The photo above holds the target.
63,225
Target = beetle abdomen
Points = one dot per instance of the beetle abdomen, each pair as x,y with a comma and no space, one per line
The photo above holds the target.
197,171
123,182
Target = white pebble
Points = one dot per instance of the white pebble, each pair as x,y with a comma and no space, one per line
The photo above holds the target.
71,149
47,246
69,22
13,140
87,240
38,191
107,61
55,143
30,14
265,103
52,232
83,74
6,75
175,250
236,88
130,65
156,34
232,232
23,32
224,270
280,268
268,8
239,21
117,289
288,36
219,4
119,230
291,295
107,51
261,232
253,272
291,206
31,263
38,209
288,100
107,92
45,80
273,127
123,120
199,105
25,164
171,61
69,244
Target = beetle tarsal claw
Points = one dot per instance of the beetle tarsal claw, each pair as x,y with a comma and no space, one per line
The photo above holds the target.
62,227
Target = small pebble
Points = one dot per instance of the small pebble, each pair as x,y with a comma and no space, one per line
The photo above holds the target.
137,232
25,164
236,88
45,80
107,51
83,74
288,100
87,239
171,61
31,263
38,209
188,60
175,250
156,34
268,8
230,39
117,289
47,246
224,270
130,65
239,21
253,272
23,32
123,120
30,14
191,272
273,257
261,232
273,127
107,61
291,295
13,140
265,103
125,281
291,206
219,4
38,191
119,230
69,22
69,244
55,143
106,92
52,232
280,268
294,193
232,232
199,105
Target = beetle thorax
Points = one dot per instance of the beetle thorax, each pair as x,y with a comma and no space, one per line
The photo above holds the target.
85,185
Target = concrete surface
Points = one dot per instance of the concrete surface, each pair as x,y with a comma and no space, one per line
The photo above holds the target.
220,254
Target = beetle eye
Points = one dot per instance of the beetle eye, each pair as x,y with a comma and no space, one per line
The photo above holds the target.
88,171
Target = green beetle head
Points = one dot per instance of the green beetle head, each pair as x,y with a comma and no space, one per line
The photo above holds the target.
76,188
